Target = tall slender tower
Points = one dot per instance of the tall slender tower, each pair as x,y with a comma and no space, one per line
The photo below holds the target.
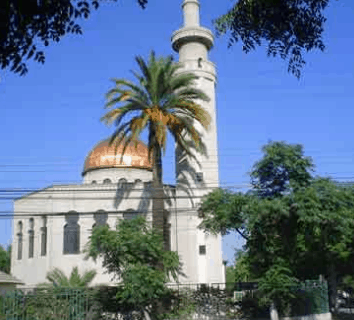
201,253
193,43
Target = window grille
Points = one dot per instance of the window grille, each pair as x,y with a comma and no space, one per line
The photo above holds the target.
19,246
202,250
130,214
31,238
19,241
44,236
100,218
72,234
199,177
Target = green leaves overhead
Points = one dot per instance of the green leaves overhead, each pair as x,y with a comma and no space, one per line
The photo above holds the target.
26,25
288,28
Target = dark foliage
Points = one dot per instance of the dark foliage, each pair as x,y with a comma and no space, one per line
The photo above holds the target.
283,168
288,27
251,308
28,25
5,259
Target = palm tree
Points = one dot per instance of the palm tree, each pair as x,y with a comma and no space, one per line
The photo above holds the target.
163,100
58,278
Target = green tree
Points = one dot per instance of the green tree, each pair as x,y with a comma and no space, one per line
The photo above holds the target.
304,234
5,259
223,213
288,27
297,227
134,255
326,217
57,278
242,272
230,274
283,166
162,101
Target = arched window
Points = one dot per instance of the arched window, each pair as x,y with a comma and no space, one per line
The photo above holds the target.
130,214
107,181
123,185
94,182
44,236
167,234
101,218
72,234
122,182
19,240
31,238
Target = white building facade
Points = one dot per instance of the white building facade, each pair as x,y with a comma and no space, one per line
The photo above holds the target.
52,226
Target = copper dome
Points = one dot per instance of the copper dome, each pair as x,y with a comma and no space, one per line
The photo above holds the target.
105,156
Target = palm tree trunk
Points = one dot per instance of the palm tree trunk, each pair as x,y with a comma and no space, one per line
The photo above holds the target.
158,204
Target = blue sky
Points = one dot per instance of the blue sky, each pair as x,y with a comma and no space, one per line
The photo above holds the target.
51,116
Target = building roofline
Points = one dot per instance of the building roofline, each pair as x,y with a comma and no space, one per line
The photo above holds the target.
116,167
84,185
52,186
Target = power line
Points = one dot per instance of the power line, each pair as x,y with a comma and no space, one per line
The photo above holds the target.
82,188
47,190
103,198
205,159
241,153
23,214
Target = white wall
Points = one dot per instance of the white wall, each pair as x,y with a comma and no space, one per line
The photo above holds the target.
115,174
86,199
322,316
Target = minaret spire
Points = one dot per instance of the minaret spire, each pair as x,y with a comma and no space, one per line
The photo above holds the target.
192,40
191,13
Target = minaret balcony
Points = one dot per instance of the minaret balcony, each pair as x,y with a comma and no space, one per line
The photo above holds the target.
205,69
192,34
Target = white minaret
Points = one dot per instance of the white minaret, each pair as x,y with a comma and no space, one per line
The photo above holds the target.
193,42
200,253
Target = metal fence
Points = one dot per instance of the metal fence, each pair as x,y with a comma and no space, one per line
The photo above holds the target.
185,301
38,304
312,298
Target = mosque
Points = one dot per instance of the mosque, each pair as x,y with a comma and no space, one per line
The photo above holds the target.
59,218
